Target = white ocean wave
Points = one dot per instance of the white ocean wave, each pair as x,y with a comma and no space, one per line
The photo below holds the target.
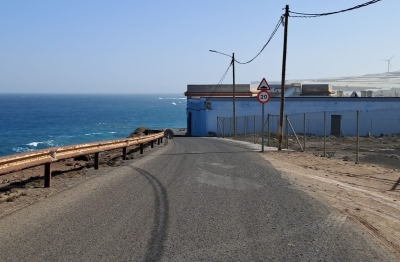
112,132
35,144
19,149
49,142
92,134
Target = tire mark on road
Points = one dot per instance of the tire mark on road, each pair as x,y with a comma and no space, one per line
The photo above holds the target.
159,233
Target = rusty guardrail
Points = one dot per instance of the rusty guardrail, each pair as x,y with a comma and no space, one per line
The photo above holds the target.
47,156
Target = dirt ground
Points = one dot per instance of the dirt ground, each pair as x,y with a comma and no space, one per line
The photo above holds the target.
367,193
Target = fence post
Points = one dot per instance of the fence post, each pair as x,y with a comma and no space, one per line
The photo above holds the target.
245,127
230,127
324,133
371,127
287,132
235,127
218,126
141,149
304,133
358,136
47,175
254,129
269,133
223,128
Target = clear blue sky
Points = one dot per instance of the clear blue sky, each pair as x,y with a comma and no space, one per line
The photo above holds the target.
140,46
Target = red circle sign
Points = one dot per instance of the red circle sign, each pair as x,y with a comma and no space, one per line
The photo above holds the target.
263,97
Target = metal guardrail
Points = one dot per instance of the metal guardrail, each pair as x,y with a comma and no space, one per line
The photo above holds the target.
47,156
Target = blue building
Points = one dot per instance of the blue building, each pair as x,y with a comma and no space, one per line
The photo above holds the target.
210,111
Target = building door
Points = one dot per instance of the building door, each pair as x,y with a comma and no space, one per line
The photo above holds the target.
336,128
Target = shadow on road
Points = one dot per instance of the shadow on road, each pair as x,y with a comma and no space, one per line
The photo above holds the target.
155,245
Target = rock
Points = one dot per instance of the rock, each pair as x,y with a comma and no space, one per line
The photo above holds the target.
138,132
368,134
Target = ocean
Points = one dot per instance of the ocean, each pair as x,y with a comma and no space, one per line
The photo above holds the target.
35,121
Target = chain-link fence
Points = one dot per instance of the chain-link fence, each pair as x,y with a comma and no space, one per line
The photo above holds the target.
344,134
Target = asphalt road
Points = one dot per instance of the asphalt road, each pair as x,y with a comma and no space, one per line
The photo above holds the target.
196,199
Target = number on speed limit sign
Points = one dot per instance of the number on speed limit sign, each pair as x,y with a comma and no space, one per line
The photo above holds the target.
263,97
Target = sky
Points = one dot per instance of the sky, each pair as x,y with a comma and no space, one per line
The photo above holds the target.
141,46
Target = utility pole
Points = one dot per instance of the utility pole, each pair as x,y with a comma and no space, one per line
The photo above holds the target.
283,79
233,96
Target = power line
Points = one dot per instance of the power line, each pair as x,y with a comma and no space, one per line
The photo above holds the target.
270,38
305,15
219,83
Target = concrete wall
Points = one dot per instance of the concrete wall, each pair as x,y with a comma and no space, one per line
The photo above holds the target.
379,115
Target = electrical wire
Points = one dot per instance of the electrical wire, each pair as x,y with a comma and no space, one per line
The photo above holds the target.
305,15
269,40
220,82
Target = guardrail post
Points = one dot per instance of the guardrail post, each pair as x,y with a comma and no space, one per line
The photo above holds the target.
158,141
47,175
96,160
141,149
161,140
152,143
124,153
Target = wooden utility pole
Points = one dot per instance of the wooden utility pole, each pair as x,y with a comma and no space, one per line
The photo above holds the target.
283,79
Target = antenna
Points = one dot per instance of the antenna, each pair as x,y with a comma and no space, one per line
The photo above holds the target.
388,60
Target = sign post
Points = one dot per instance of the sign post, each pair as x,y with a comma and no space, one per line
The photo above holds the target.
263,97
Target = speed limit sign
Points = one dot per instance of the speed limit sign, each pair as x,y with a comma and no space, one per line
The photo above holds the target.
263,97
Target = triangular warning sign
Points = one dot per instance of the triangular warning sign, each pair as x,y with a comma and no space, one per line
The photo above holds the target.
263,85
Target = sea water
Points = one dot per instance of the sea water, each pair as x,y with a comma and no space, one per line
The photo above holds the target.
31,121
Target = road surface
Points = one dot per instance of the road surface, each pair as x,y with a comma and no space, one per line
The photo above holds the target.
196,199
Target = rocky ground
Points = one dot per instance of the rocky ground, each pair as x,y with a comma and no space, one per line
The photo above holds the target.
367,192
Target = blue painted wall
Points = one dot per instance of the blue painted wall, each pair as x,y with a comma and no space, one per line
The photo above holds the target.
377,114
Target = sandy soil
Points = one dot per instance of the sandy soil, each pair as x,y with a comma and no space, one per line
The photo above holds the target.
367,192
